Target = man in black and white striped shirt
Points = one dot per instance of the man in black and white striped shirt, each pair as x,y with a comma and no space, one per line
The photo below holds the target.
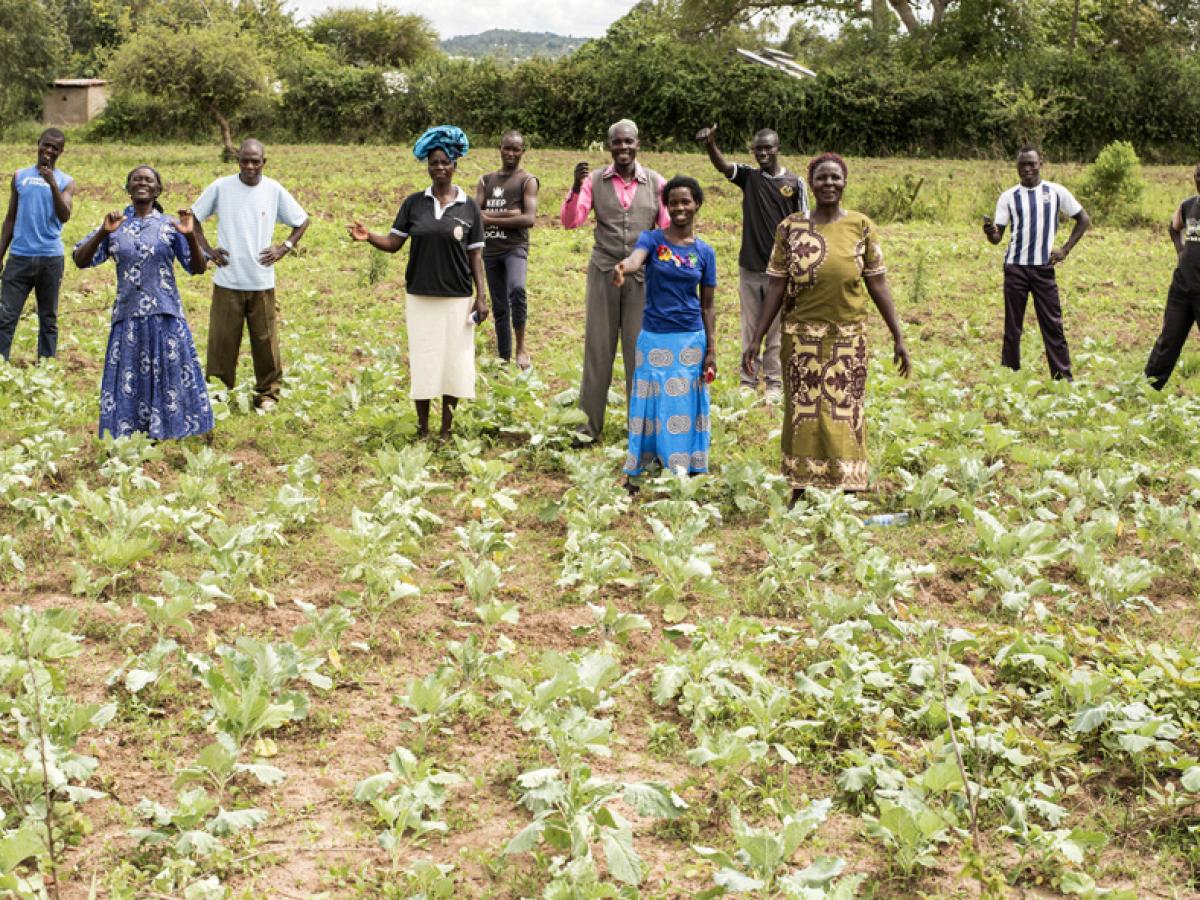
1033,208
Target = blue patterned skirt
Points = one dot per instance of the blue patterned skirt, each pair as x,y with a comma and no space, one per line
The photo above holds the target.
668,412
153,381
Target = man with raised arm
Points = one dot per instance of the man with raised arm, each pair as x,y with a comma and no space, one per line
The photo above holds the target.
1033,208
508,201
626,199
39,204
247,206
770,193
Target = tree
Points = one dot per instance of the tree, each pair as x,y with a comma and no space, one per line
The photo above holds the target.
32,50
212,73
375,37
716,15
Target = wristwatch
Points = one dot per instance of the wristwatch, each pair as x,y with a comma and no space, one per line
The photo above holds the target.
289,245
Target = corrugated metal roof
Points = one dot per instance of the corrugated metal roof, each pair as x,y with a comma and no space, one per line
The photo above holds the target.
79,82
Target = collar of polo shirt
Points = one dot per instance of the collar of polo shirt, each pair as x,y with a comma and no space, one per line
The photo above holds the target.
460,196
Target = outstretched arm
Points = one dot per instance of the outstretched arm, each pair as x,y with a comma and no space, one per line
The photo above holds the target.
881,294
388,243
629,265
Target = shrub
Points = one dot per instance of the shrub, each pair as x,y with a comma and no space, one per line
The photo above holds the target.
195,74
1112,186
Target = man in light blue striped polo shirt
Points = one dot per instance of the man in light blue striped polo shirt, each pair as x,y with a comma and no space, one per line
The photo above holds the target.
1033,208
39,205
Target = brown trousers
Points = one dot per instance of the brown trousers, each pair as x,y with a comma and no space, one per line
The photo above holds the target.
259,312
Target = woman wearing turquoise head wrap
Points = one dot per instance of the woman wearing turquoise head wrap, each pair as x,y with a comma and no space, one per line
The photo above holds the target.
450,139
444,263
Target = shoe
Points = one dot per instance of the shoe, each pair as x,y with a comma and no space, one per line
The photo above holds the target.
773,396
581,442
267,404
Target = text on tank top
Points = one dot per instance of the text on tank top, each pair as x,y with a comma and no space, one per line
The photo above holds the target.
502,192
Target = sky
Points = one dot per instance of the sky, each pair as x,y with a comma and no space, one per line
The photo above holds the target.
580,18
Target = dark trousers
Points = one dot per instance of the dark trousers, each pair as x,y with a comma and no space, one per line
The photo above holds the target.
257,309
1019,283
42,275
1182,312
506,284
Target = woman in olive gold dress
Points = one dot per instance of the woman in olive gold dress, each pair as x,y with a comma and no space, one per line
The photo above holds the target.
824,265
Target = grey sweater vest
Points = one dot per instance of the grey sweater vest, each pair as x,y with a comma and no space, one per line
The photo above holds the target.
617,228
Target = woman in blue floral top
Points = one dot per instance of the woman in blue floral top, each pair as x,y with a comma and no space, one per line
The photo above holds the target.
152,378
677,348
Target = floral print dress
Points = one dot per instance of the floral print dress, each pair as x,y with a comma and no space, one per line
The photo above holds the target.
824,347
152,379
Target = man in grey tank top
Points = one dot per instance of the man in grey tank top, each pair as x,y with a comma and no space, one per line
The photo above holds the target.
507,199
626,199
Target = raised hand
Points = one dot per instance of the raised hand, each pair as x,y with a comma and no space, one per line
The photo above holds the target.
358,231
112,221
581,172
704,135
47,173
186,223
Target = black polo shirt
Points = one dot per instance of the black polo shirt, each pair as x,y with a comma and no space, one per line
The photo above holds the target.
438,241
766,201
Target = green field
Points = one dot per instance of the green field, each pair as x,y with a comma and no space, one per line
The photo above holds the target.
999,699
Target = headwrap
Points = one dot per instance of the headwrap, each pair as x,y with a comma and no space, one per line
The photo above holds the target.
450,139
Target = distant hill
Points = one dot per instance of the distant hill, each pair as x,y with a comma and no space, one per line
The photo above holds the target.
504,43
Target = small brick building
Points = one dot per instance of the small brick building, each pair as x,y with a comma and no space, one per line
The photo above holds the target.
74,101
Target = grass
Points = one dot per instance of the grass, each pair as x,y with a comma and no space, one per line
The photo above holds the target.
1062,449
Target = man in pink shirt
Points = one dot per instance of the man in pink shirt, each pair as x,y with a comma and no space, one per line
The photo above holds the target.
626,199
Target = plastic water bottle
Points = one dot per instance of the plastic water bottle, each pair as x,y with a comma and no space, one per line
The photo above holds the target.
883,520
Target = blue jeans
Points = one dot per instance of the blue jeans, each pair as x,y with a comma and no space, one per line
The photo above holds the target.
506,284
22,274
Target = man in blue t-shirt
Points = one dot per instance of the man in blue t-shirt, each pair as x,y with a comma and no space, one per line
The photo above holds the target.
39,205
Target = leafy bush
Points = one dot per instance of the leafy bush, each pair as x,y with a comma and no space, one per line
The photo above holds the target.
196,75
1113,185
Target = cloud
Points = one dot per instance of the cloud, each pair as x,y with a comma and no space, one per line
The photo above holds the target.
582,18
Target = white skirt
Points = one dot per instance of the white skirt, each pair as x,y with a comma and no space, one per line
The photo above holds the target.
441,346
